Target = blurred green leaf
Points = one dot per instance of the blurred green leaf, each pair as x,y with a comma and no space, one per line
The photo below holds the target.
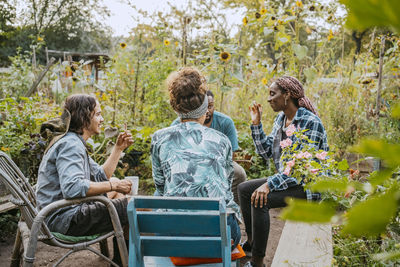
343,165
391,255
372,216
396,111
379,177
363,14
305,211
300,51
329,184
380,149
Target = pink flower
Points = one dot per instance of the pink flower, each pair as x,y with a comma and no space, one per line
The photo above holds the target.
285,143
307,155
321,155
290,130
287,170
290,163
298,155
314,170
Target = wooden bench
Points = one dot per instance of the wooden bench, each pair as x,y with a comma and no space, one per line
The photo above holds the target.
303,244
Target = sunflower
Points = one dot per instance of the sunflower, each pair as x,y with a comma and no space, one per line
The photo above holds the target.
299,3
176,43
122,45
225,56
263,11
257,15
166,42
330,36
264,81
245,21
40,39
312,8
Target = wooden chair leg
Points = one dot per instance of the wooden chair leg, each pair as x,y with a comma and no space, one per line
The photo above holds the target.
104,248
16,254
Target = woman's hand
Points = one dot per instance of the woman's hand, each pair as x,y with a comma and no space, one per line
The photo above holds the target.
255,113
121,186
259,196
124,140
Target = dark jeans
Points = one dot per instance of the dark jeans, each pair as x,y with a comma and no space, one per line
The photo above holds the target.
256,220
93,218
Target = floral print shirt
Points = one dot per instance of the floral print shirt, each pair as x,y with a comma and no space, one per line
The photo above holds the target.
191,160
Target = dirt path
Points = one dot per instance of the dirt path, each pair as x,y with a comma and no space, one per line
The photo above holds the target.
48,255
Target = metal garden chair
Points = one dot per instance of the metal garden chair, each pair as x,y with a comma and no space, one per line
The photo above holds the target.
31,228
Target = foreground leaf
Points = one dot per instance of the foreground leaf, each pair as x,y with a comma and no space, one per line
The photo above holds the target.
380,149
363,14
370,218
324,185
305,211
396,111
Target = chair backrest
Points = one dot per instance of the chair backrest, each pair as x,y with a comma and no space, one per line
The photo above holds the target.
18,185
178,226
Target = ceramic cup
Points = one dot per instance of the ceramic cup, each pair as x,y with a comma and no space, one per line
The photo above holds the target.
135,184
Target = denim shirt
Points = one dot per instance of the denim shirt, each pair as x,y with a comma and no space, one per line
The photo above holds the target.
65,173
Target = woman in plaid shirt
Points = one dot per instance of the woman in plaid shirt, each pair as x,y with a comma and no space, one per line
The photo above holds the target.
286,96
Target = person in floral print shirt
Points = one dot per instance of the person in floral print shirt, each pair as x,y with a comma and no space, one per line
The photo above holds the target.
189,159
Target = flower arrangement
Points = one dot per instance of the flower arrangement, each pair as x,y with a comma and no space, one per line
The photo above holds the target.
302,160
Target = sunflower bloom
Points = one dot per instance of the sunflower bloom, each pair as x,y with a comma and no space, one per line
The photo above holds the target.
264,81
166,42
245,21
122,45
263,11
40,39
257,15
176,43
299,3
225,56
330,36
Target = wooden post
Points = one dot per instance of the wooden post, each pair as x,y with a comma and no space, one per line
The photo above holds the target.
378,97
36,83
136,79
47,56
186,20
34,58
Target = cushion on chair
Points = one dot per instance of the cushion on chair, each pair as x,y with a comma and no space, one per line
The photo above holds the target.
237,253
75,239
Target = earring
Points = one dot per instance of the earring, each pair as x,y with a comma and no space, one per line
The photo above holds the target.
285,102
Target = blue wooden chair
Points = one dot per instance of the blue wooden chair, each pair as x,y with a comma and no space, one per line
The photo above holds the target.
191,227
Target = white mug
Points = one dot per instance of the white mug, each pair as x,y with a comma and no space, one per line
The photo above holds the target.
135,184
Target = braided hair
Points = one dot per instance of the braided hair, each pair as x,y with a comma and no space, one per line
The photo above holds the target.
291,85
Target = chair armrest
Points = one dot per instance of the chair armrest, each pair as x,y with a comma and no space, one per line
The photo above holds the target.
39,219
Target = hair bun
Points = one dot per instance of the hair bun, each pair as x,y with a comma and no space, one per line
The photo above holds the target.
187,89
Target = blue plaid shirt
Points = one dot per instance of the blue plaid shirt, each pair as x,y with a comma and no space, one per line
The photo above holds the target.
268,146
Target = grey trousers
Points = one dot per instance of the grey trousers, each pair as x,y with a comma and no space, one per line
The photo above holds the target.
239,177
